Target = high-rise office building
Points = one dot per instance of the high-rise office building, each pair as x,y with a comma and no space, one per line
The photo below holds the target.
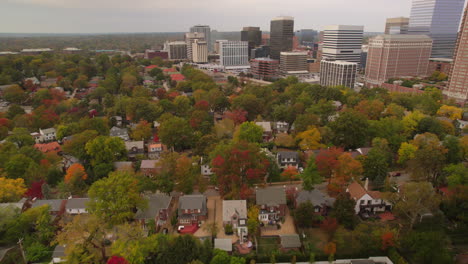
177,50
306,37
342,42
393,56
199,51
396,25
281,35
293,62
253,35
233,53
205,29
338,73
458,79
264,68
438,19
260,52
190,39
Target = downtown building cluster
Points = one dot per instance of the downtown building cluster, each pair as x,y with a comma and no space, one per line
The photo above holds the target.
411,47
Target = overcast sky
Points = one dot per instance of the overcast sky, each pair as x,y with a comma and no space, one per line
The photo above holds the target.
98,16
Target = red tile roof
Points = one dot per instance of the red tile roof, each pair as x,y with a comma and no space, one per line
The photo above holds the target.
150,67
48,147
356,191
177,77
170,70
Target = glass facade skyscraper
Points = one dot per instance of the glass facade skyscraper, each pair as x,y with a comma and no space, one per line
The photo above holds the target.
281,36
440,20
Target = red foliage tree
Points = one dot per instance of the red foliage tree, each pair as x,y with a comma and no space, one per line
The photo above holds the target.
35,191
329,225
238,116
5,122
117,260
388,240
290,173
161,93
202,105
327,161
237,166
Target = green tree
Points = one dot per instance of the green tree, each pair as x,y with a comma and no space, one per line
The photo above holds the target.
105,149
176,133
304,215
14,94
250,132
115,199
343,210
456,174
76,146
350,130
377,163
252,219
427,247
310,176
133,244
21,137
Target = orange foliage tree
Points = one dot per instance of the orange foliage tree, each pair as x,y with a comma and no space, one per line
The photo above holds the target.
75,171
290,173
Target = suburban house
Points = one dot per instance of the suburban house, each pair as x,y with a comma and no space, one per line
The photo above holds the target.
48,147
272,204
117,120
48,134
320,200
267,132
119,132
56,206
134,148
206,170
290,242
281,127
149,167
287,158
235,214
59,254
20,205
155,150
367,201
158,210
224,244
76,206
192,210
123,165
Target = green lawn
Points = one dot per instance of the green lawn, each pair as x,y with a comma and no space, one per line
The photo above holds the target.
266,245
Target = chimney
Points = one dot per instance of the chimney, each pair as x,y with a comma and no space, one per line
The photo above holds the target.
366,184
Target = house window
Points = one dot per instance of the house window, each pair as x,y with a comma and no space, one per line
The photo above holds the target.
369,201
362,201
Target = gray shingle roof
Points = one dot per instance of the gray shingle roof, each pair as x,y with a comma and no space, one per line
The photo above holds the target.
117,132
59,252
271,196
232,207
290,241
288,155
77,203
156,202
316,197
192,202
223,244
54,204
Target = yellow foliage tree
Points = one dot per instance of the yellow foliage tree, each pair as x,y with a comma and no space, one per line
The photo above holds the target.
11,190
309,139
451,112
284,140
411,121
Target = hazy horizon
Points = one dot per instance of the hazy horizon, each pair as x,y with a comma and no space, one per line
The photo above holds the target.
156,16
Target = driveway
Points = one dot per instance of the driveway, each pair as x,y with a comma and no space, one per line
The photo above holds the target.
214,205
287,228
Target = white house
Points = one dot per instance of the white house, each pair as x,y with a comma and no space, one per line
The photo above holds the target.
367,201
48,134
235,214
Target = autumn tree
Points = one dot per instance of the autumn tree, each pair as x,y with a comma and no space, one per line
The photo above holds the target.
76,146
289,173
115,198
239,116
309,139
350,130
133,243
252,219
238,165
11,190
142,131
85,238
284,140
451,112
372,109
21,137
75,171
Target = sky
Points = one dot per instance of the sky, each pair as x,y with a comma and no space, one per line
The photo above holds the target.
104,16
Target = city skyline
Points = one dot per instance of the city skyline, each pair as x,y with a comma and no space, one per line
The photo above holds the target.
86,16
